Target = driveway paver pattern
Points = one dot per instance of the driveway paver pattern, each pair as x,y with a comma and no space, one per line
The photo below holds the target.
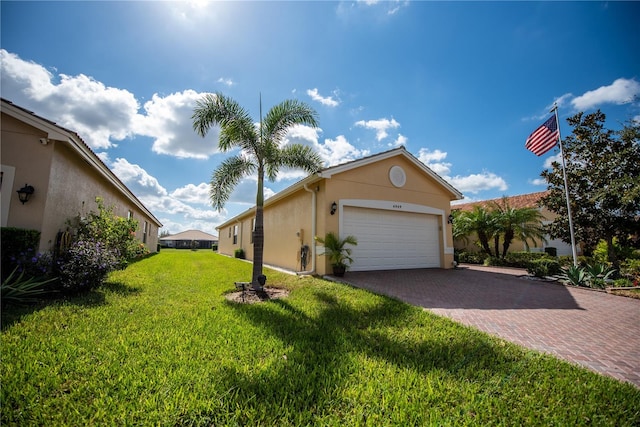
596,330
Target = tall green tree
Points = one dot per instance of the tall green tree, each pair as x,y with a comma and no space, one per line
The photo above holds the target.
524,224
479,222
261,152
602,168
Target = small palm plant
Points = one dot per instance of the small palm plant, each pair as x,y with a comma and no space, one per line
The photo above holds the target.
575,276
335,248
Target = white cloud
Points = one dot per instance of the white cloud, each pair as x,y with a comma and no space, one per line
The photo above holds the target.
99,114
380,126
549,160
191,193
390,7
328,100
339,150
434,160
538,181
400,140
168,120
302,134
226,81
620,91
475,183
173,209
137,179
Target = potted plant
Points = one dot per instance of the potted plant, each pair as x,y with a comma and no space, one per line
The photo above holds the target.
339,255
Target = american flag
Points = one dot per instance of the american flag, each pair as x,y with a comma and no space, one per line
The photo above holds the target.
544,138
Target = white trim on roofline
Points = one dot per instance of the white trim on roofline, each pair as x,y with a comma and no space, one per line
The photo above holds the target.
58,133
327,173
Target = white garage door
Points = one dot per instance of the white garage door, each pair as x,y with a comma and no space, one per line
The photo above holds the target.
391,240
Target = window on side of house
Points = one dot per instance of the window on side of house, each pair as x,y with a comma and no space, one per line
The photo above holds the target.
235,234
253,228
145,227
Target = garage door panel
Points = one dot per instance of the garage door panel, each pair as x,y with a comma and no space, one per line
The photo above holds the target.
391,239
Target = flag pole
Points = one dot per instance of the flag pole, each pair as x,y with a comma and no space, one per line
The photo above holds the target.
566,190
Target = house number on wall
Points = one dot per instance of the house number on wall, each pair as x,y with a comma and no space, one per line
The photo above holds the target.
397,206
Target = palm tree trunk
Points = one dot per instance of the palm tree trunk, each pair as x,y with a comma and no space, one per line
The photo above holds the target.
508,238
258,236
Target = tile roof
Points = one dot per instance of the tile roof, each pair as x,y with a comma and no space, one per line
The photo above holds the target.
190,235
530,200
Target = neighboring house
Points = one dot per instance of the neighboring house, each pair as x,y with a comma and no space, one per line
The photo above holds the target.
532,200
190,239
66,176
392,203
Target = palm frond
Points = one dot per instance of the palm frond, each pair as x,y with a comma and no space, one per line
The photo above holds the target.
281,117
300,156
236,126
226,177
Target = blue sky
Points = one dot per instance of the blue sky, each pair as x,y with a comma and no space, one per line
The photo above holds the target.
460,84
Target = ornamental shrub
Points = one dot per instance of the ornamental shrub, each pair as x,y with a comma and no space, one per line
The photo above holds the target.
117,233
86,265
544,267
471,257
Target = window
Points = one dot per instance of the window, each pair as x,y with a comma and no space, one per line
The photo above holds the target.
144,232
230,231
253,228
235,234
129,214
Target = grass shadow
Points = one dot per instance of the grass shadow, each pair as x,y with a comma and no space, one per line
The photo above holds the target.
324,345
12,314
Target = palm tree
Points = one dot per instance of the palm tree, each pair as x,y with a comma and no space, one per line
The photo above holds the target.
522,223
480,221
261,152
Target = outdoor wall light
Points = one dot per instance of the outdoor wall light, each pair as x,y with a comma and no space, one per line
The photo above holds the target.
25,193
334,207
450,219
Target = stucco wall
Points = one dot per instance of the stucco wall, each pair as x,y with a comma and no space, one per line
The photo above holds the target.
372,183
65,185
288,223
22,150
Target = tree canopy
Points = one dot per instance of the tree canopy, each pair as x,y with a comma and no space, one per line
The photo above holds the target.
500,223
262,152
603,176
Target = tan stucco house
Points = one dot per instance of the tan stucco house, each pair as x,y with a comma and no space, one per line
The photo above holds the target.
531,200
391,202
66,176
190,239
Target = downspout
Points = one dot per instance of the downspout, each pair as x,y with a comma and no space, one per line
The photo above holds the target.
313,234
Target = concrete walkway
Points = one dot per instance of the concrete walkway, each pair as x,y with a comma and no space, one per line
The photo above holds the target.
596,330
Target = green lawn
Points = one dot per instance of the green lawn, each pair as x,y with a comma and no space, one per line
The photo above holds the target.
160,344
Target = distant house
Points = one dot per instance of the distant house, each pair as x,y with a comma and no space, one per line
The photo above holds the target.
65,177
391,202
190,239
531,200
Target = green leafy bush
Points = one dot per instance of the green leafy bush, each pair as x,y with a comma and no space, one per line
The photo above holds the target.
516,259
622,283
115,232
471,257
630,269
544,267
239,253
86,265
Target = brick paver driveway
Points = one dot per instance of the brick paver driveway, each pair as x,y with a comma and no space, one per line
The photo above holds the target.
596,330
